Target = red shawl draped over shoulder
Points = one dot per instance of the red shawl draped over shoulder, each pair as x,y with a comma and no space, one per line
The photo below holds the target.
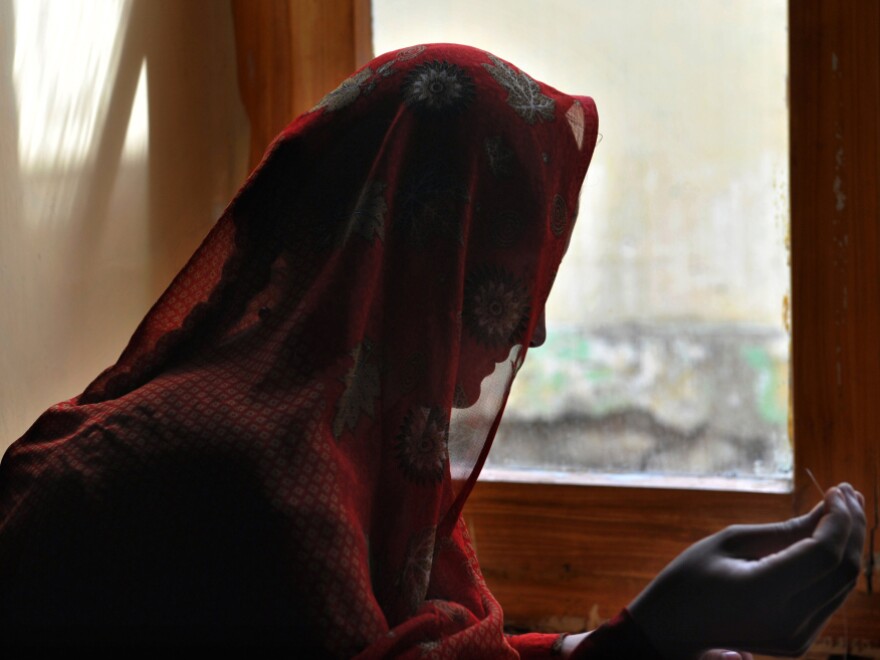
281,454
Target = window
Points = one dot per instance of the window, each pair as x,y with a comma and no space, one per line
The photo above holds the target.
666,350
562,556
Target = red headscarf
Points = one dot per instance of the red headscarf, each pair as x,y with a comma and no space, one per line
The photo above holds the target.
297,422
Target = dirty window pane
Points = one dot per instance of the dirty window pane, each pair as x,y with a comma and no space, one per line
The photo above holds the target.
667,350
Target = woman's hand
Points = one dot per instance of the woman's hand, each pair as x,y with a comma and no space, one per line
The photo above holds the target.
761,588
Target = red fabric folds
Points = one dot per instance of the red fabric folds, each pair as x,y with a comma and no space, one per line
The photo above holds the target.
282,452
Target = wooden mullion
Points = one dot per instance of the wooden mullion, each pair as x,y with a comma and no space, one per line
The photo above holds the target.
292,52
835,122
363,31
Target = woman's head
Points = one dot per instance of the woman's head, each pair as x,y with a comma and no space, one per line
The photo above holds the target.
397,243
480,167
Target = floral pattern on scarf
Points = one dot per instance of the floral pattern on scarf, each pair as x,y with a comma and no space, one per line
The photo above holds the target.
525,95
559,217
362,389
496,307
346,94
422,445
438,86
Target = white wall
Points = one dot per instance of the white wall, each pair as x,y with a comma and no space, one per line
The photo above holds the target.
122,138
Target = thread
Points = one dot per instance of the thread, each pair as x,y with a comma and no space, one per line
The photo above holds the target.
815,481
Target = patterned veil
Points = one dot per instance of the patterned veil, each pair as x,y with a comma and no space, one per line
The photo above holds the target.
285,446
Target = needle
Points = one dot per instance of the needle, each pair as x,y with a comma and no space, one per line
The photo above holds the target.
815,481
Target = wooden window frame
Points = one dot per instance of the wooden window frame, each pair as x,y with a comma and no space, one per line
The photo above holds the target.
565,557
290,53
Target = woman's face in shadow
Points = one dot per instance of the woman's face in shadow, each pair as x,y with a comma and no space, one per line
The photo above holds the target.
478,363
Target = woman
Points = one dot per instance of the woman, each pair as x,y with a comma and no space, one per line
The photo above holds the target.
282,453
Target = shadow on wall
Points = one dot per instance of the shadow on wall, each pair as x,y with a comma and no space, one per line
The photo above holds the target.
89,238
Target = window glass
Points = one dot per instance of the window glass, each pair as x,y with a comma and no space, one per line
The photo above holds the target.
667,350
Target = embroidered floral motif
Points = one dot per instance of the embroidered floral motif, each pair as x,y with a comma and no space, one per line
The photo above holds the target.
524,94
346,93
575,117
438,87
496,307
432,204
409,53
361,389
416,573
559,219
500,157
421,445
368,217
386,70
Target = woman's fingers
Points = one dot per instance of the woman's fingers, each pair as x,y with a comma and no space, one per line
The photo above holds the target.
808,560
767,588
758,541
841,546
847,568
856,502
